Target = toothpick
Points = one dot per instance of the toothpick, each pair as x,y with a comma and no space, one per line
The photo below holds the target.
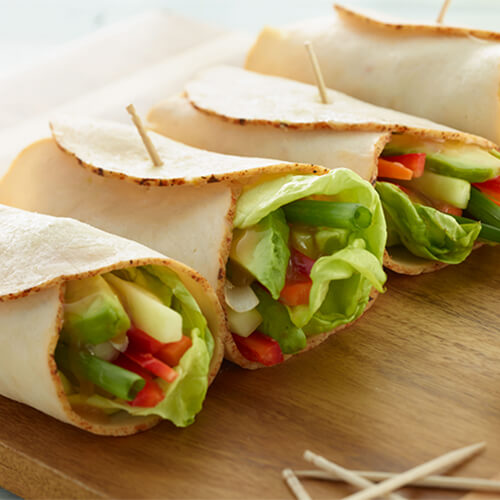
444,482
317,72
444,461
148,144
443,10
345,474
295,485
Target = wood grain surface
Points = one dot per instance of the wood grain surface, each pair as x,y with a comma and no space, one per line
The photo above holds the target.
417,376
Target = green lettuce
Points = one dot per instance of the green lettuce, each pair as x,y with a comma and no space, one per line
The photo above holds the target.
341,281
276,323
425,231
341,285
268,260
344,185
184,397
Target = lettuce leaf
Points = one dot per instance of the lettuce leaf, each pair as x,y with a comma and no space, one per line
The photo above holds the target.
342,281
341,288
267,259
276,323
343,185
184,397
425,231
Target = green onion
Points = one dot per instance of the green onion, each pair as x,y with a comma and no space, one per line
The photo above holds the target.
120,382
483,209
329,214
488,232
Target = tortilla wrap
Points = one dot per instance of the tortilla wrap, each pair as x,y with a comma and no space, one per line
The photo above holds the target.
98,172
39,255
234,111
447,74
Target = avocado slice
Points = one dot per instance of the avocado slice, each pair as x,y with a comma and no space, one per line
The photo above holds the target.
451,190
147,311
92,312
263,251
452,159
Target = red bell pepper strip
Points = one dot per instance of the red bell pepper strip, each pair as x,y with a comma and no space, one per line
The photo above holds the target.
298,282
296,294
447,208
299,267
260,348
414,161
172,352
493,184
490,188
393,170
141,341
153,365
151,394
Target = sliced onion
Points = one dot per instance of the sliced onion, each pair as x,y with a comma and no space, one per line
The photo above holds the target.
120,344
104,351
240,298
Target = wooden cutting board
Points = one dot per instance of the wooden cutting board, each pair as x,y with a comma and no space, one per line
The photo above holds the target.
417,376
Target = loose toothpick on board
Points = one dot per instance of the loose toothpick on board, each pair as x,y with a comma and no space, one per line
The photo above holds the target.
148,144
444,482
345,474
442,12
295,485
399,481
317,72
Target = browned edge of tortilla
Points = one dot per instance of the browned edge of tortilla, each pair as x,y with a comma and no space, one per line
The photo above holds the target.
74,417
234,355
413,28
420,266
239,176
432,134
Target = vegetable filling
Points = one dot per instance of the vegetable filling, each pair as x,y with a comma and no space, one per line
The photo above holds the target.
439,198
134,341
305,254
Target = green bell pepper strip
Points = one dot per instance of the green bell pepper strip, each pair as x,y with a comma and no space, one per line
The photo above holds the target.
329,213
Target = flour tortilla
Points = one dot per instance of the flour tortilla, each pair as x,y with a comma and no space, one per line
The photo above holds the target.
98,172
39,255
447,74
230,110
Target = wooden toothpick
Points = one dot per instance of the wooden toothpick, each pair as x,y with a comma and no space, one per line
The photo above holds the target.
399,481
148,144
345,474
317,72
445,482
295,485
442,12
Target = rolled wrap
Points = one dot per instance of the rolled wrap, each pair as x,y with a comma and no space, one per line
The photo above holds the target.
446,74
234,111
102,175
39,255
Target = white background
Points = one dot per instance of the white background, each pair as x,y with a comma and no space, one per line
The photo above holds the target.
29,28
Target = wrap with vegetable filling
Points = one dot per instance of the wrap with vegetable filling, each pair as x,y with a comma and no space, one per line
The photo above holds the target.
443,73
101,332
293,250
424,171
